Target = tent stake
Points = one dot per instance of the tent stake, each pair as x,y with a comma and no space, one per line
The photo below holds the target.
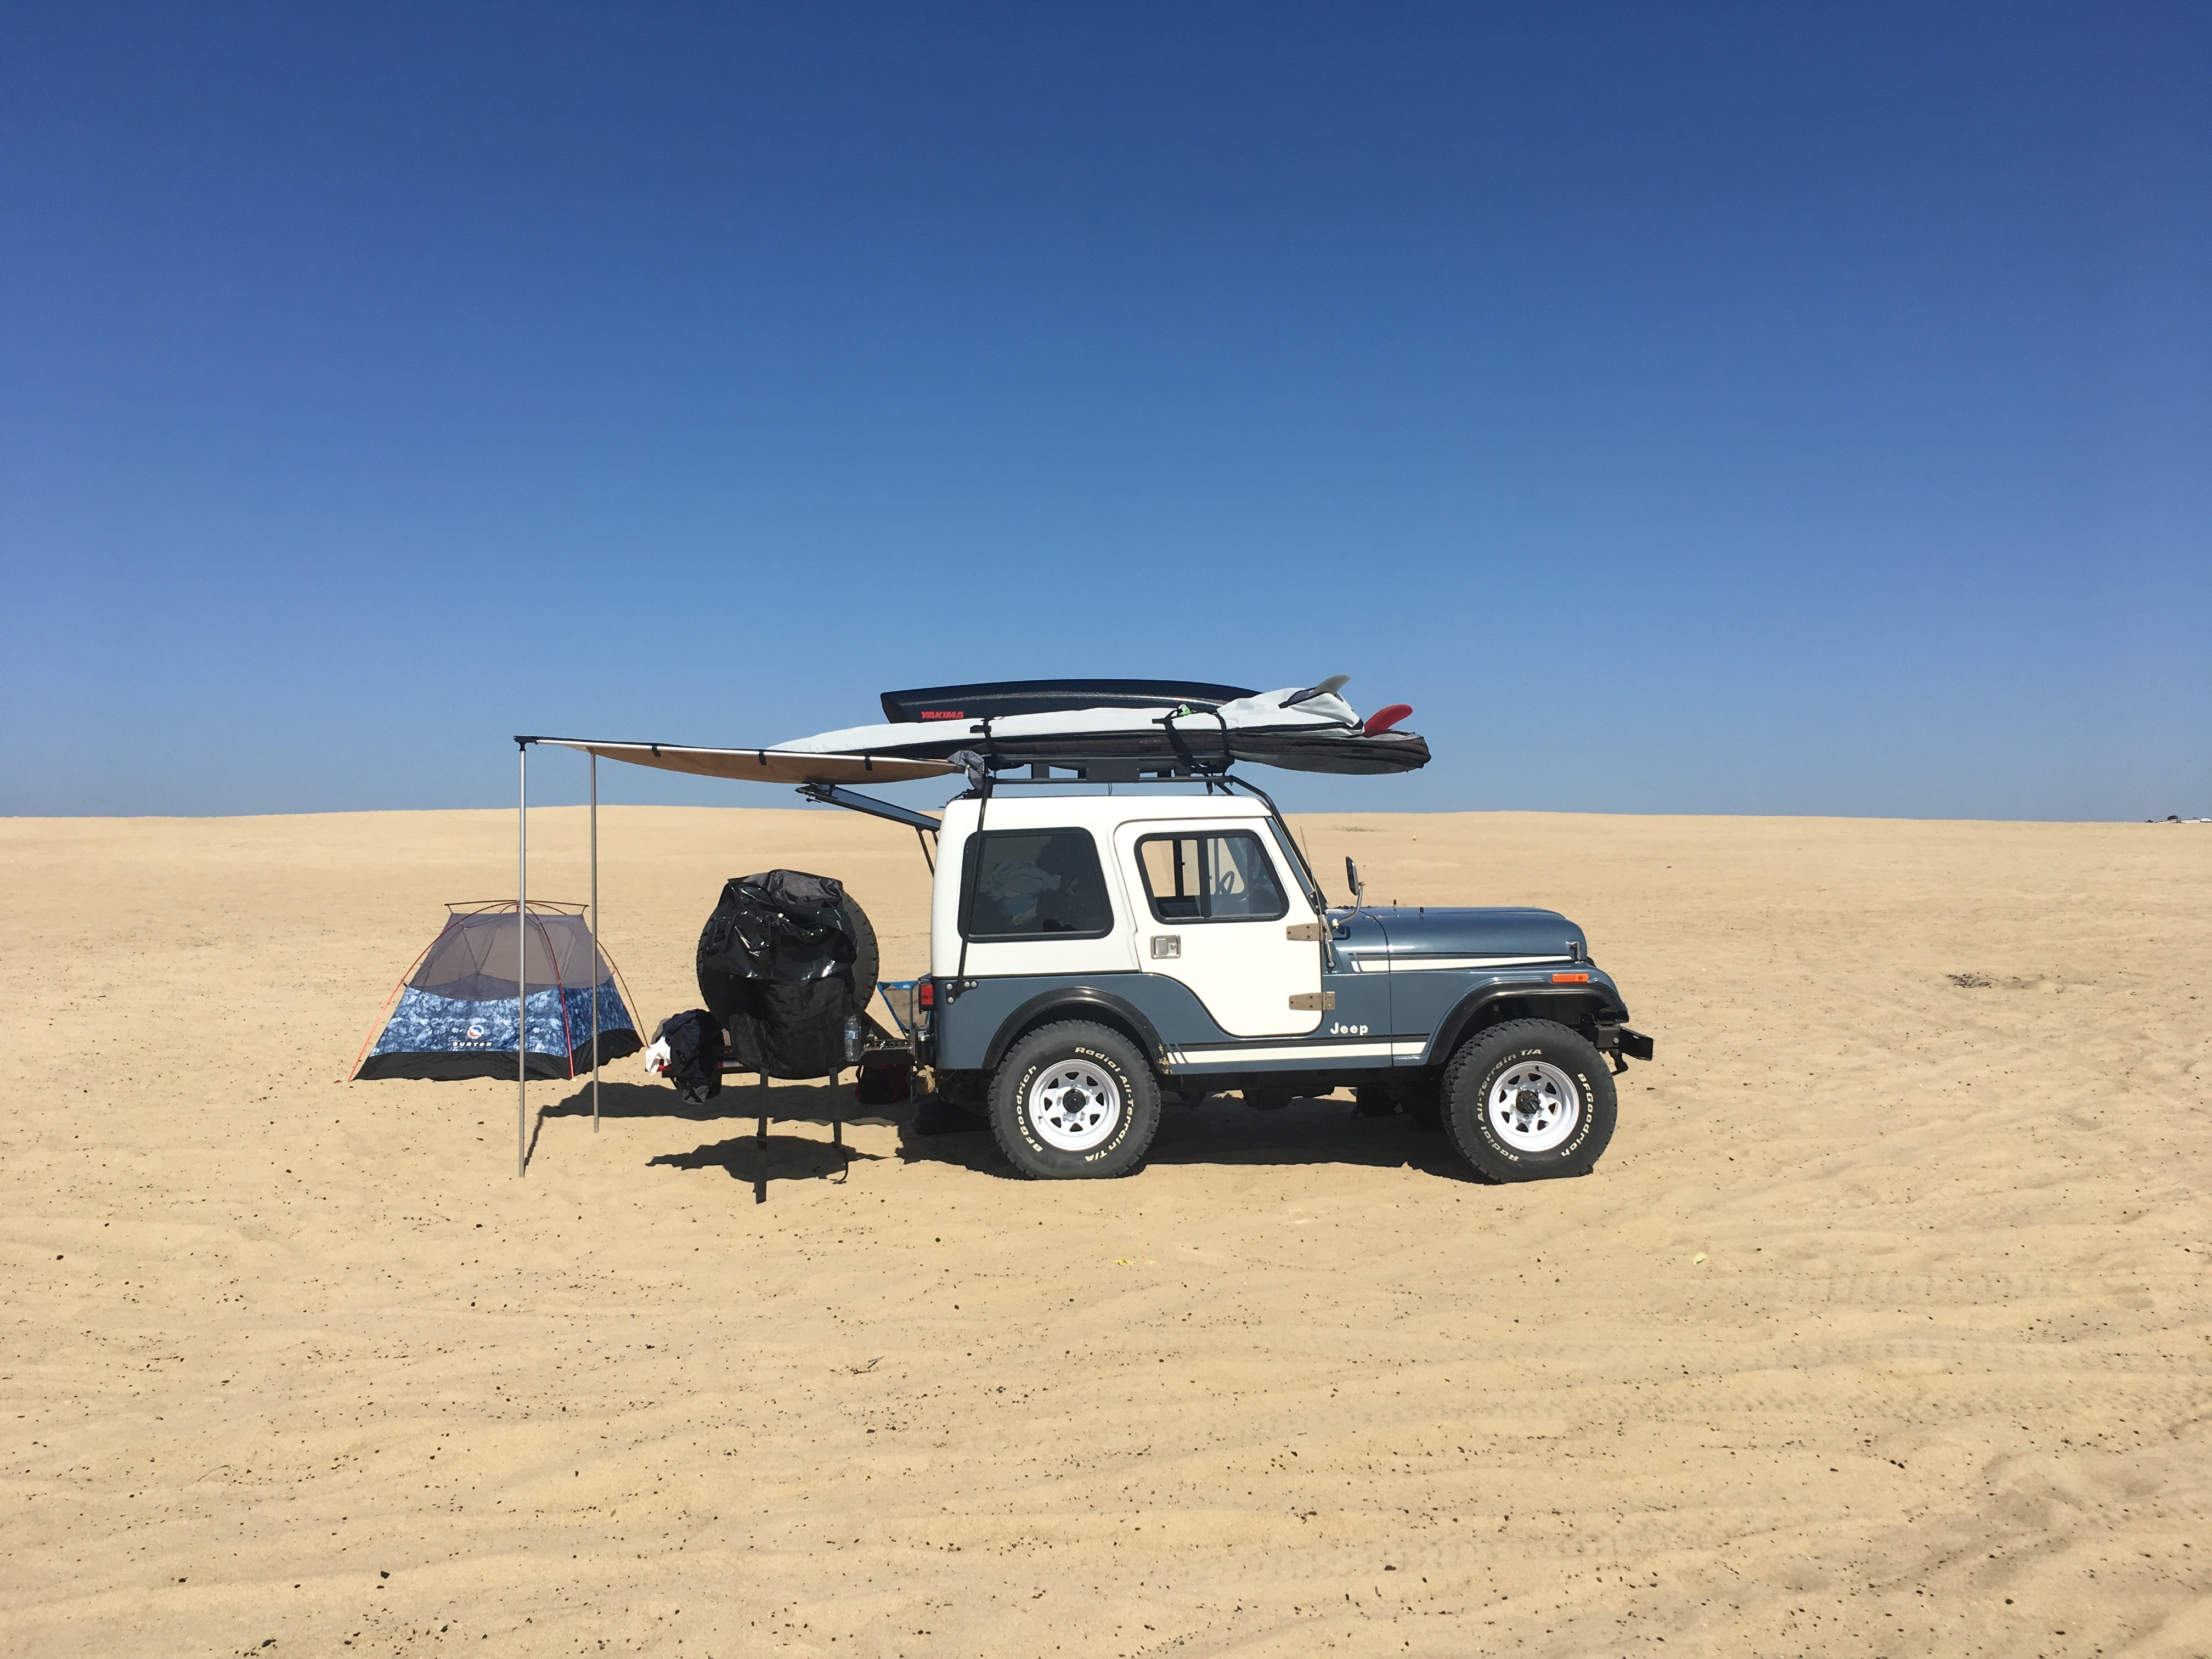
595,944
522,968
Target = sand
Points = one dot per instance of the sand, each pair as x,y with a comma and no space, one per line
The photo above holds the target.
1884,1327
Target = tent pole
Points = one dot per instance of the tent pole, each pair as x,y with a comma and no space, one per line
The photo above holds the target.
595,944
522,968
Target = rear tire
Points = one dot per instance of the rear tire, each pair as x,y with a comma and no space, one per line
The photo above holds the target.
1529,1100
1074,1102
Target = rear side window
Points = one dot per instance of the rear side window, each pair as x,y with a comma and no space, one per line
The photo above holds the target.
1034,884
1210,877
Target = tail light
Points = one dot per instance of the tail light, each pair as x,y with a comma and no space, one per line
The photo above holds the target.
924,995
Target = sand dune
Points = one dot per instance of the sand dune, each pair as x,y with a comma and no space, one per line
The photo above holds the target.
1885,1327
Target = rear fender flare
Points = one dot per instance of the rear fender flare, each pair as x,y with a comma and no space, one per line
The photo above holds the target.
1079,1002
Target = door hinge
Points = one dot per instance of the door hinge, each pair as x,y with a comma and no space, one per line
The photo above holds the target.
1313,1001
1304,932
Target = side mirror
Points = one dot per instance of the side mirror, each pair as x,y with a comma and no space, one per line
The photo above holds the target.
1352,880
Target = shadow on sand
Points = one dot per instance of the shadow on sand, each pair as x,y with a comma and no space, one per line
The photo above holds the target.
758,1156
1224,1130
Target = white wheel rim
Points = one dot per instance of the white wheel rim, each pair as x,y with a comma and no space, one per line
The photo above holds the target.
1535,1107
1074,1105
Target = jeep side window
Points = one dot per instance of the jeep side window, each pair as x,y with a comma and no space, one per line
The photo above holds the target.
1210,877
1034,884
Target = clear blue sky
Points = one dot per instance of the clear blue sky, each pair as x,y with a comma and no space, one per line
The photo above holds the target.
1774,409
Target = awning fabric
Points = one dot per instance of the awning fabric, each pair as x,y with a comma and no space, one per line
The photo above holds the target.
762,765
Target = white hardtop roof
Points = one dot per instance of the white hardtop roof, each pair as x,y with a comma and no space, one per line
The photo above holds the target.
1044,808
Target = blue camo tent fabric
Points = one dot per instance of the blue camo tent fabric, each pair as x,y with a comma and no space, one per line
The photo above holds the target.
455,1016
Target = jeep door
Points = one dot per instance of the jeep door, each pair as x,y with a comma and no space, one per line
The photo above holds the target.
1213,907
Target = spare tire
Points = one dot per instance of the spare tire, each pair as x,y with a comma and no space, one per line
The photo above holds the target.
867,963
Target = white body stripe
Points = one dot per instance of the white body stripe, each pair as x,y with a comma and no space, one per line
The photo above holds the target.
1229,1057
1382,964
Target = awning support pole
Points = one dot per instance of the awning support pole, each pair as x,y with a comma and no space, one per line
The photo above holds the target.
522,967
595,944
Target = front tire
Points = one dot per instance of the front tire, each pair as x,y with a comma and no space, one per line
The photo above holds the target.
1074,1102
1529,1100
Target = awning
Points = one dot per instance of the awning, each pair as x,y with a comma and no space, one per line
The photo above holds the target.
825,770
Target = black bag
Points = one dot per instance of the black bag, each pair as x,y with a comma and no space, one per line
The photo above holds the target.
784,961
694,1054
789,1031
784,925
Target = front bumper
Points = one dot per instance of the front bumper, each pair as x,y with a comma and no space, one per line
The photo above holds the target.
1621,1043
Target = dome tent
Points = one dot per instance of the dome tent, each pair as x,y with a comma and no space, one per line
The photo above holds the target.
455,1013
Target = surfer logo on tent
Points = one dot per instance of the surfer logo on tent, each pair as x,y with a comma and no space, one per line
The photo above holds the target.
476,1033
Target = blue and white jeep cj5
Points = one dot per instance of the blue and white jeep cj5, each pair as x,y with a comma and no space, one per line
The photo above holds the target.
1091,954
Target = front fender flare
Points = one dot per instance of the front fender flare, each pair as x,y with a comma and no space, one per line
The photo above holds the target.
1552,1001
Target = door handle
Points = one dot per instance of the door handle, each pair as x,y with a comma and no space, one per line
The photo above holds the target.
1166,944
